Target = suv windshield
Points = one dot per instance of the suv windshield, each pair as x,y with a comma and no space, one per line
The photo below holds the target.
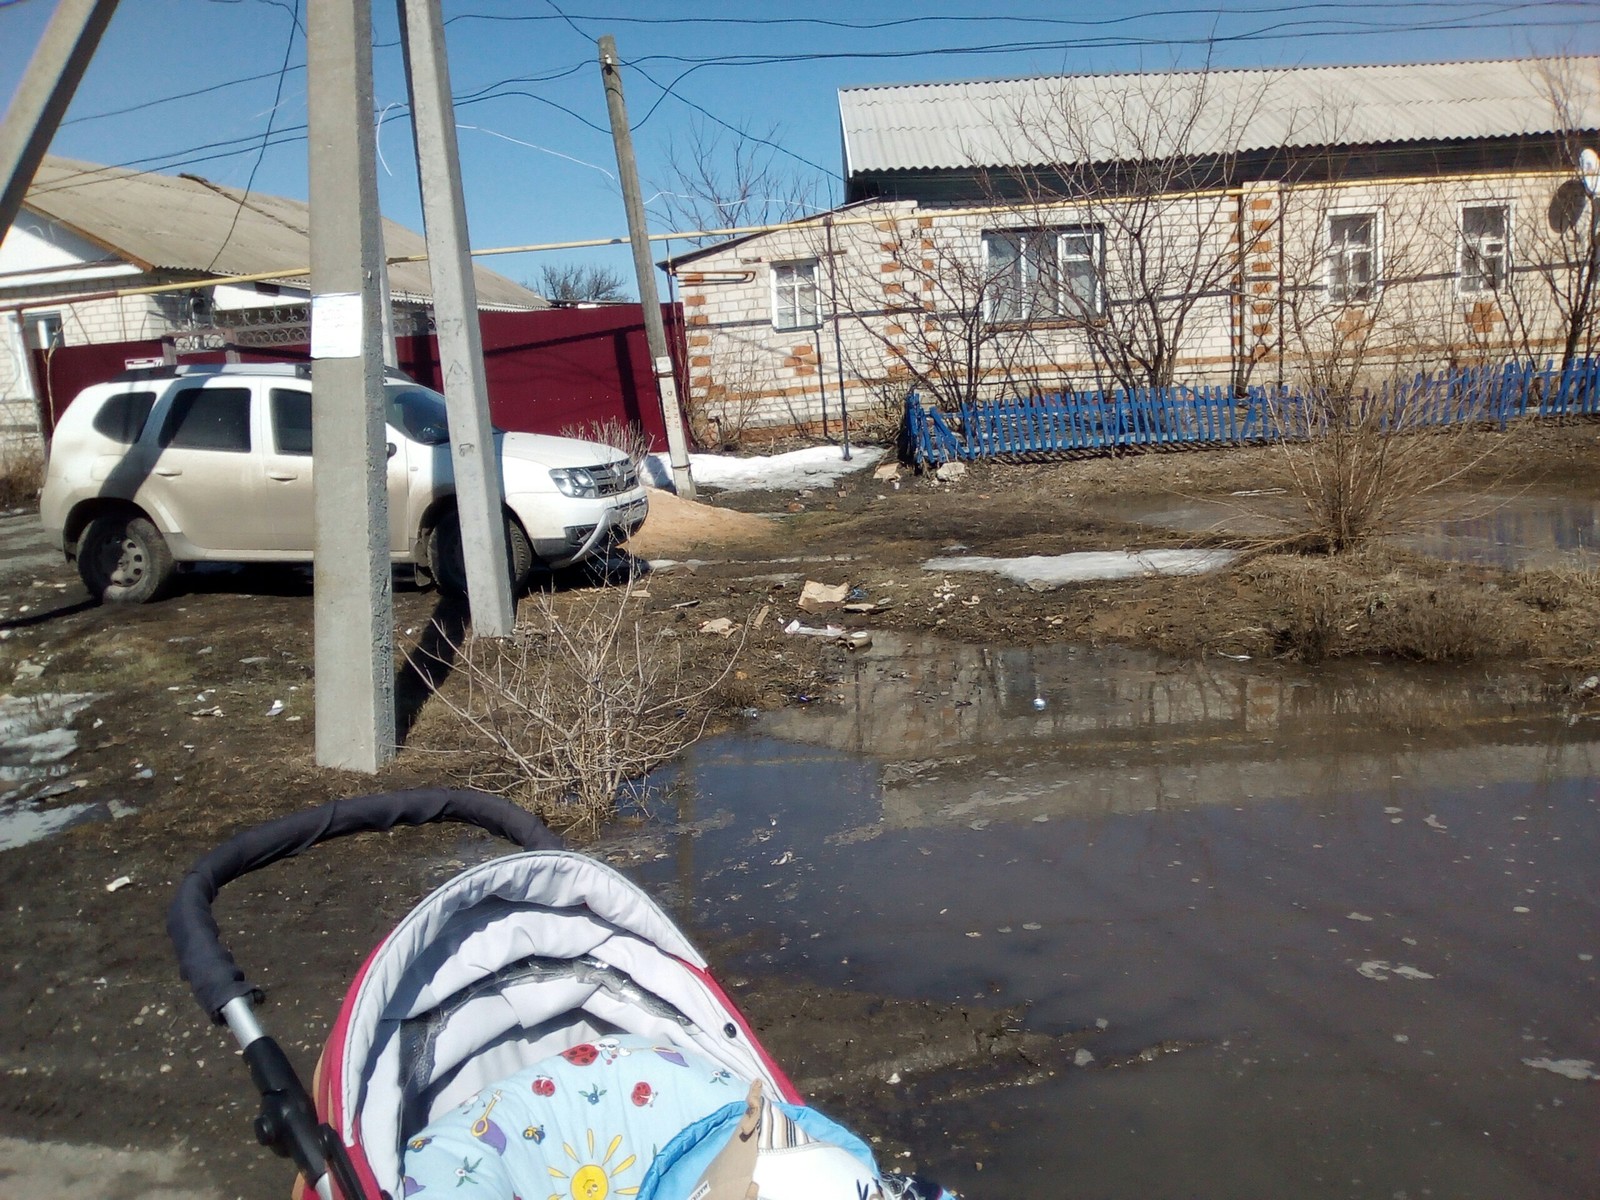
419,414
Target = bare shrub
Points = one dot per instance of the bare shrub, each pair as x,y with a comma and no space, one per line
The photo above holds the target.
21,474
567,715
629,436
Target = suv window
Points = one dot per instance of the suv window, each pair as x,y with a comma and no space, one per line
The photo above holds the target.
291,420
121,418
419,414
209,419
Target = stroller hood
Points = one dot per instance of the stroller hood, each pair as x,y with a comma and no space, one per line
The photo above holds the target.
505,965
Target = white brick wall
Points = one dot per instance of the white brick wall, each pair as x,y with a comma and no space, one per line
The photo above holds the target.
1265,316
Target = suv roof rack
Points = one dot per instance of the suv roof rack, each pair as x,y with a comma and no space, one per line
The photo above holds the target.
297,370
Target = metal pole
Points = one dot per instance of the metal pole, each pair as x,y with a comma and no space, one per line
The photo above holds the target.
353,637
639,235
42,97
838,343
480,495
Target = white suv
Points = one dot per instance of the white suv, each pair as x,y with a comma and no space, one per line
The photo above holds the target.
213,464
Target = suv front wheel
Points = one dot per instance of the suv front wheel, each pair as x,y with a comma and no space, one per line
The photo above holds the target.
123,559
447,563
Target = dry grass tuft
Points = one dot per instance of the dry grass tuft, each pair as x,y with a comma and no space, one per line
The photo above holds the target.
21,475
630,438
567,715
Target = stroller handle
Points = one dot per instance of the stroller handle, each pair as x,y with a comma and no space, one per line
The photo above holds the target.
206,964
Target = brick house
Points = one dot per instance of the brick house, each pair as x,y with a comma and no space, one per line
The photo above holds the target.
88,235
1295,225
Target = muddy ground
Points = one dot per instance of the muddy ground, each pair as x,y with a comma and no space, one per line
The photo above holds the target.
100,1043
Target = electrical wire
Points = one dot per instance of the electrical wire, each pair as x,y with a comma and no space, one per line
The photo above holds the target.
272,114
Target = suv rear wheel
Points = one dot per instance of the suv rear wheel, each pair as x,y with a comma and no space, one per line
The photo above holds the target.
123,559
447,562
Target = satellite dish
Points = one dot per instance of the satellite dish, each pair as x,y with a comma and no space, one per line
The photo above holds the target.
1589,170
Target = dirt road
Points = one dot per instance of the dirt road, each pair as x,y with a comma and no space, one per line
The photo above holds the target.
192,718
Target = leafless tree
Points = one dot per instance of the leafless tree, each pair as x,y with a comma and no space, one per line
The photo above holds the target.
1121,227
726,179
577,283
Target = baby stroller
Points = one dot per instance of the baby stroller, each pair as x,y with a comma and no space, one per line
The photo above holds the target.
537,1028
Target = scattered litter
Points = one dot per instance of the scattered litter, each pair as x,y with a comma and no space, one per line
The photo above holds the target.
950,472
1380,970
868,606
277,707
1569,1068
894,1077
1082,1058
784,859
687,604
254,660
760,618
1520,908
827,631
980,823
1040,703
1355,916
1032,926
719,626
857,639
1235,657
814,596
1402,1038
207,712
1433,822
147,773
120,882
886,471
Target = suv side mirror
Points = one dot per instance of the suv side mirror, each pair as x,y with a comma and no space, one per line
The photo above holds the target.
393,450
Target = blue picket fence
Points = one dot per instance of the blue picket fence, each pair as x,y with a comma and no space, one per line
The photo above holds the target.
1076,422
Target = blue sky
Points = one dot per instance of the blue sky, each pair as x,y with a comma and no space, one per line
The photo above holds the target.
536,153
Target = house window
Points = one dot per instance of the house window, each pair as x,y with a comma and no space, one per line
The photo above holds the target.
44,330
1484,251
794,295
1352,257
1035,274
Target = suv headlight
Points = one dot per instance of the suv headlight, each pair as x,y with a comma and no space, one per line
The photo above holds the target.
578,482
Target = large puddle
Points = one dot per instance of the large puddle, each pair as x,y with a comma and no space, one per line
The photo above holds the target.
1348,916
1522,531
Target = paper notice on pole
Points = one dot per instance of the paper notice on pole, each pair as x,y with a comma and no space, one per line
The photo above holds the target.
336,325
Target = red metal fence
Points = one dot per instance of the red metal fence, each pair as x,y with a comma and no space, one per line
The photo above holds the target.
560,368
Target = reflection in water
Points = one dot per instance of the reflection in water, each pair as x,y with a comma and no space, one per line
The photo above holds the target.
1529,532
1219,857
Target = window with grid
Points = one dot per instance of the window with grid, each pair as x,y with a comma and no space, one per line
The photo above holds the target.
795,296
1484,256
1352,257
1038,274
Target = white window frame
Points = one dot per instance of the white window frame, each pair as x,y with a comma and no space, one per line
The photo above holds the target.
1374,286
1462,248
788,311
1063,309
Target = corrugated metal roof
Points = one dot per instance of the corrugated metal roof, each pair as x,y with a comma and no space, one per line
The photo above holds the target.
1111,118
177,222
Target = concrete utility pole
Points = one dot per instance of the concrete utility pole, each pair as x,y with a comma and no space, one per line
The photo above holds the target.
479,492
42,97
354,603
639,235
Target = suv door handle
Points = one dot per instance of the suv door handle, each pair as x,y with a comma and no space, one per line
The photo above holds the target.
169,472
284,476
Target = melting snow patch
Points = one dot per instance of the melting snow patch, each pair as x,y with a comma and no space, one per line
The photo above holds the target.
1571,1068
812,467
1048,571
24,824
1381,970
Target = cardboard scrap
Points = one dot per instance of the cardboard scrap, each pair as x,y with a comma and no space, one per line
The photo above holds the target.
815,597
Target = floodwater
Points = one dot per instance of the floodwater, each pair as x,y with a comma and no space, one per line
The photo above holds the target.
1522,531
1334,930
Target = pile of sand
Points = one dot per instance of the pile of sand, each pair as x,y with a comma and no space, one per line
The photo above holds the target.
677,527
